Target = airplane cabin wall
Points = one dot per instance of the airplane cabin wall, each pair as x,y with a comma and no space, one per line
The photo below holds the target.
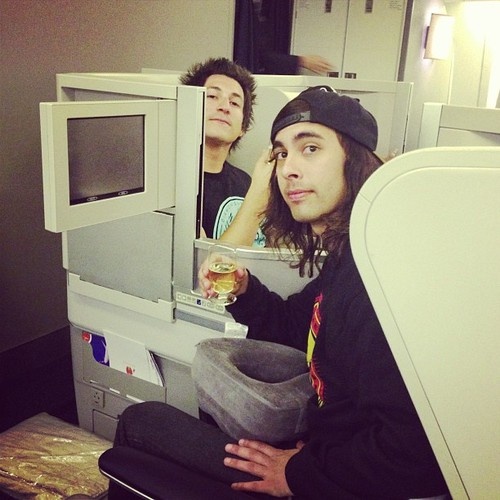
467,78
476,53
40,39
431,79
351,37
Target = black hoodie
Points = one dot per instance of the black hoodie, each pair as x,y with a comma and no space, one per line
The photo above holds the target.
365,438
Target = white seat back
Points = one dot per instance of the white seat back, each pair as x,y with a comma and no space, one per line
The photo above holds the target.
425,233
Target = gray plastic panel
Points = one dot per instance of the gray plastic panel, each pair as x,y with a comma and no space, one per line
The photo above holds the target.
131,255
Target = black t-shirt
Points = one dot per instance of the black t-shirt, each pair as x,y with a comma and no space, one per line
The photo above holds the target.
223,194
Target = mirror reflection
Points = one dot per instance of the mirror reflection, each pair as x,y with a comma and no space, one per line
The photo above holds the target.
230,98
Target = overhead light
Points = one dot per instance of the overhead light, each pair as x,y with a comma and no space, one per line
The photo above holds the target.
439,38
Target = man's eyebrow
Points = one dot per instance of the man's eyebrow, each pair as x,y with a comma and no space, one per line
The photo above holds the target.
307,134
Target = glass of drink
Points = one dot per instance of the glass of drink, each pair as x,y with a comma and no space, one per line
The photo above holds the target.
222,267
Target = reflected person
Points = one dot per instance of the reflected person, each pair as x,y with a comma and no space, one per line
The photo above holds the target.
230,97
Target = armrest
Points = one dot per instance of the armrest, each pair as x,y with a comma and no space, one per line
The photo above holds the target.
151,477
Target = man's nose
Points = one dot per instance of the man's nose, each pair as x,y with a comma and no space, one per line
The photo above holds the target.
223,103
290,167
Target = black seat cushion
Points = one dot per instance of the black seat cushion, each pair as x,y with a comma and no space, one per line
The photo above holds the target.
153,477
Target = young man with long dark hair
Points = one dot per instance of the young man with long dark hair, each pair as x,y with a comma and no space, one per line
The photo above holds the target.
364,438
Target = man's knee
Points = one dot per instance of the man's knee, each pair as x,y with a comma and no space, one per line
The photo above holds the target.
141,410
135,418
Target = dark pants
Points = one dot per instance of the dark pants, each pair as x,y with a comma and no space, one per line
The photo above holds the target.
168,433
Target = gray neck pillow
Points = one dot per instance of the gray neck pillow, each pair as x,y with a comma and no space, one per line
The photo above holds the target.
253,389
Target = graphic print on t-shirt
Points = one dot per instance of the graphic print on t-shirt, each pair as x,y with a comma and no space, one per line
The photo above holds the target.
316,381
226,214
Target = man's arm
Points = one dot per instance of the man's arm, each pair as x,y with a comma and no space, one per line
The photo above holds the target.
243,228
268,316
316,64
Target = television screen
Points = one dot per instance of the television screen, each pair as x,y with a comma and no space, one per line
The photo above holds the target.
106,157
107,160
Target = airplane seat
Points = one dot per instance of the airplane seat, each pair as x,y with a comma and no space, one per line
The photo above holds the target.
425,235
240,383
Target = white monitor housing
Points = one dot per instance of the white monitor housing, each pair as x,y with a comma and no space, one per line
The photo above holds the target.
102,160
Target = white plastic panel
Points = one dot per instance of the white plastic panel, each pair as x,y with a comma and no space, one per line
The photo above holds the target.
425,235
445,125
125,84
389,102
158,157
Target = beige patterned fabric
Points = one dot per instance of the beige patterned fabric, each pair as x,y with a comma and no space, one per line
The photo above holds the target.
47,458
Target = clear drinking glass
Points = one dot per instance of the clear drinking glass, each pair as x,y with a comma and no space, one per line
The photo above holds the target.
222,266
